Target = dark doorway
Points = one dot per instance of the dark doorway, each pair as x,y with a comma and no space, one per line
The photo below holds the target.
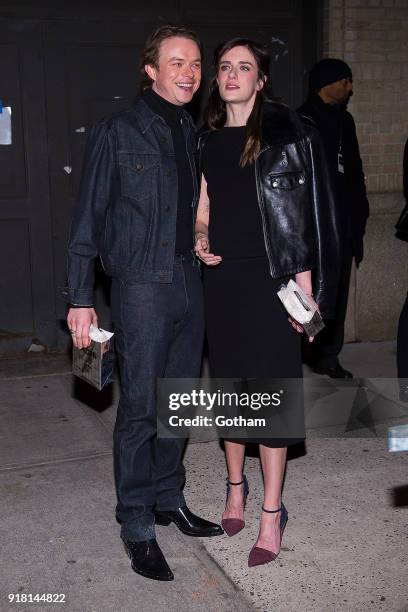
61,70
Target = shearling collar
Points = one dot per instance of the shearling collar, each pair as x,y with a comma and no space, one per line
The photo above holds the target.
280,124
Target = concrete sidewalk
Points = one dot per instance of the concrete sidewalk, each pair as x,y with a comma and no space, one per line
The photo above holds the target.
345,546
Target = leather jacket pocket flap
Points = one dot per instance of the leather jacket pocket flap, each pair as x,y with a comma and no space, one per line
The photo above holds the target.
287,180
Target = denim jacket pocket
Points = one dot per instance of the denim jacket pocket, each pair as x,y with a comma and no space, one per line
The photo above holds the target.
138,175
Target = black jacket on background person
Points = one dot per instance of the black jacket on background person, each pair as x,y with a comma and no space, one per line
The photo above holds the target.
402,223
300,224
338,132
402,336
405,171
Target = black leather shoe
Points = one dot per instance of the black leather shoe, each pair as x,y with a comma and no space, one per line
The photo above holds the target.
337,372
148,560
188,523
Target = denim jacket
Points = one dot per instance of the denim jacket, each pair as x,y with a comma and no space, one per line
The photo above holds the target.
126,211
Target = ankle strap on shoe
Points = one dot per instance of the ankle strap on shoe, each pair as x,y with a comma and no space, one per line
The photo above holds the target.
235,483
271,511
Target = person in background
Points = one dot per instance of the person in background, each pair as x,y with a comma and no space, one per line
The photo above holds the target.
330,89
402,337
265,215
136,209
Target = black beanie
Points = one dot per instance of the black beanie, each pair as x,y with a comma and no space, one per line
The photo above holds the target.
328,71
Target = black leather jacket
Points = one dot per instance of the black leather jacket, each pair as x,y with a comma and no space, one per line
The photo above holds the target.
301,228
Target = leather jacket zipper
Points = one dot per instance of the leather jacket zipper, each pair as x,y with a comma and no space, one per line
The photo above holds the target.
262,209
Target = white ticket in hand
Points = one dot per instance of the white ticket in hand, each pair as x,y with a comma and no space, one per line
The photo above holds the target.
98,334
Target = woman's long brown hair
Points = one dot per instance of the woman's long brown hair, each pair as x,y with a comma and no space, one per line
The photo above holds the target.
216,114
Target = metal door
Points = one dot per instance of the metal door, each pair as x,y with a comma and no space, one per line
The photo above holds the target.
27,304
66,69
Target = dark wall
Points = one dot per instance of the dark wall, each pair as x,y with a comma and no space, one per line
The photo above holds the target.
61,69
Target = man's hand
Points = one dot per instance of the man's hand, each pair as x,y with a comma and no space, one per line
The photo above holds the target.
202,250
79,321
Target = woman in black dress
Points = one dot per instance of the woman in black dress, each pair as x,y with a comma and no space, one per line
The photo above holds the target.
260,214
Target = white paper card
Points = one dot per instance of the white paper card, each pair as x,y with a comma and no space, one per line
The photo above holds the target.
5,126
98,334
398,438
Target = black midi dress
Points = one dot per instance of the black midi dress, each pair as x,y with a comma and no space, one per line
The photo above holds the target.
248,332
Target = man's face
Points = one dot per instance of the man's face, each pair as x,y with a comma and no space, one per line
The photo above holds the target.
178,75
339,92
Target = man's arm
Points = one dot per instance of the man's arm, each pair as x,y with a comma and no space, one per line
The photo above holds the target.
356,188
97,182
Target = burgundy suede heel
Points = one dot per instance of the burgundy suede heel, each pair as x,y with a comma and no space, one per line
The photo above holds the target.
260,556
232,526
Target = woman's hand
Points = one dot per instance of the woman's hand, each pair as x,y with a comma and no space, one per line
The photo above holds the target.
297,326
304,280
202,250
202,246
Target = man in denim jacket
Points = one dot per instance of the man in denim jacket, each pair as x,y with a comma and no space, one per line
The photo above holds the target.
136,210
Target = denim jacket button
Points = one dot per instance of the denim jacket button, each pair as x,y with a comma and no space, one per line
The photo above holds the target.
275,184
139,166
165,243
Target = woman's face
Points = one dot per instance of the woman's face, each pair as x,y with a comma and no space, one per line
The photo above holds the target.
237,76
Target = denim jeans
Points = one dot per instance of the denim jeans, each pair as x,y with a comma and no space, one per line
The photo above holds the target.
159,330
